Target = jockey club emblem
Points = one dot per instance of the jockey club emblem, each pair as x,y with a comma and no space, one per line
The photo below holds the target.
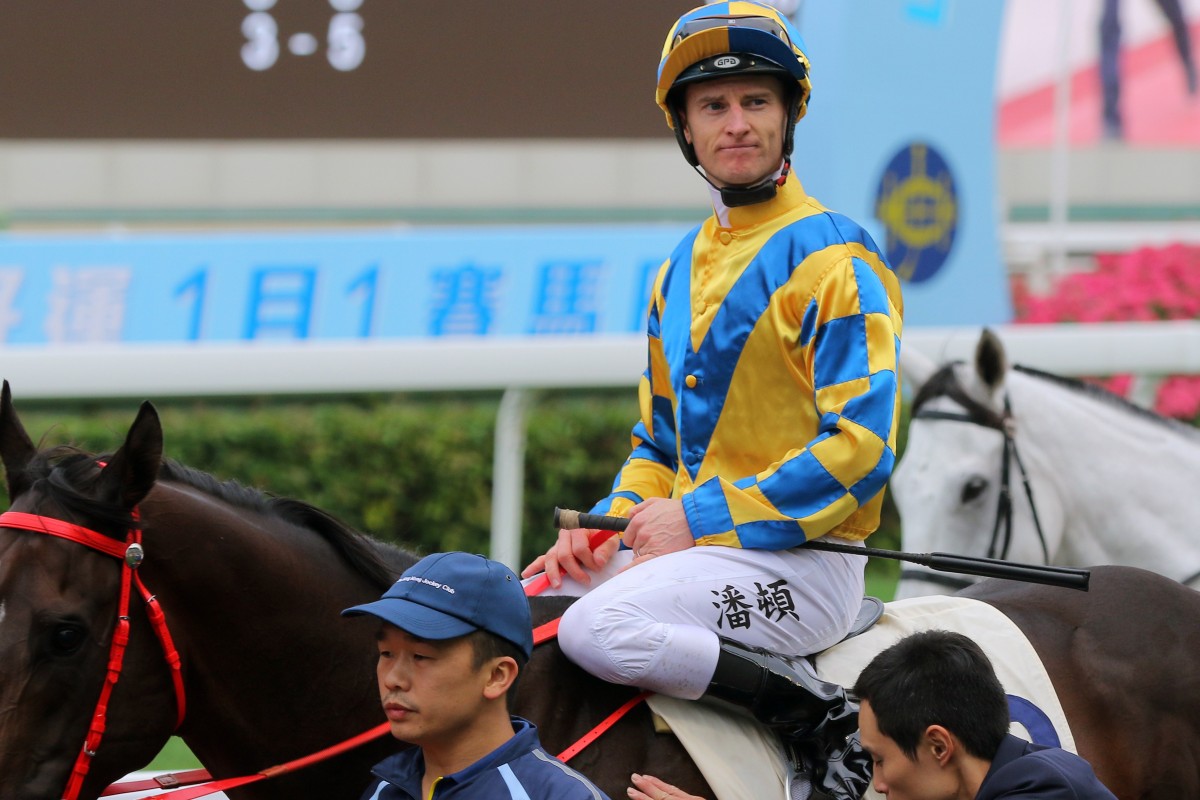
918,205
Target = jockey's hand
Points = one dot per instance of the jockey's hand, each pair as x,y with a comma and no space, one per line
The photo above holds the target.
656,527
572,555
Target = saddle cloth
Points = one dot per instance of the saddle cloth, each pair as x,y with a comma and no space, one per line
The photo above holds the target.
741,760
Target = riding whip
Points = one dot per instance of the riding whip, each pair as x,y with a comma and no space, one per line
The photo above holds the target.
1065,577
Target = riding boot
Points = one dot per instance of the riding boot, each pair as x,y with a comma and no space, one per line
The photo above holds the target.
814,718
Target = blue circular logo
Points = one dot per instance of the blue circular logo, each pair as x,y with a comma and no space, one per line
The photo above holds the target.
918,205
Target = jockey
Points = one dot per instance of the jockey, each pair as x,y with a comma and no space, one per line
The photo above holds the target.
769,411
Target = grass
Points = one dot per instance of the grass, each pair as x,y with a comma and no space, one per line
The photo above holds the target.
174,757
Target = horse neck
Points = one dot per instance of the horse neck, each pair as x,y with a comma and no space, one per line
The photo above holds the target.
1118,477
253,605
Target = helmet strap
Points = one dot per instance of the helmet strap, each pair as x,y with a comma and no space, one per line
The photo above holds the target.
764,190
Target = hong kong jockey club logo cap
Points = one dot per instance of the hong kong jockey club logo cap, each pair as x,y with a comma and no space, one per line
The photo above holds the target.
447,595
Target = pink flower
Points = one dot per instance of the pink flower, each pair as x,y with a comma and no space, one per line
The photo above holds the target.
1150,283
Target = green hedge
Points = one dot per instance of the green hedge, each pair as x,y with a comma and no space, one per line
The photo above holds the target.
413,469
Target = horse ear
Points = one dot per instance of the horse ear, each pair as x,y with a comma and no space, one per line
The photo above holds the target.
132,470
915,367
16,448
990,361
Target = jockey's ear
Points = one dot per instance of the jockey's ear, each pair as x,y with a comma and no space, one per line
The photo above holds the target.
990,362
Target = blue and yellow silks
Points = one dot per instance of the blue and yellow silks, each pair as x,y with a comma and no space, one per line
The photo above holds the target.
770,403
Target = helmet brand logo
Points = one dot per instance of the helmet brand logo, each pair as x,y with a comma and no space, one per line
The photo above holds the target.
727,62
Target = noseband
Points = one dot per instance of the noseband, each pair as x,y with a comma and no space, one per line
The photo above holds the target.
131,554
978,414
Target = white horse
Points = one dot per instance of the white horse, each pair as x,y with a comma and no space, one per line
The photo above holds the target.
1027,466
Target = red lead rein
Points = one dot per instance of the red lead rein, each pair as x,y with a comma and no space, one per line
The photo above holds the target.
541,634
541,583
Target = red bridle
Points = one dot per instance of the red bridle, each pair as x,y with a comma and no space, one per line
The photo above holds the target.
131,554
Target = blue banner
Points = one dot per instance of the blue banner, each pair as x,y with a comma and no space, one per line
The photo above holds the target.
901,136
427,283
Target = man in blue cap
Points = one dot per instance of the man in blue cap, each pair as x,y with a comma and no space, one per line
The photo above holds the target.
455,632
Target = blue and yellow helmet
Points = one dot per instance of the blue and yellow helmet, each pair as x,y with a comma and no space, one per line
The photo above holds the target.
723,39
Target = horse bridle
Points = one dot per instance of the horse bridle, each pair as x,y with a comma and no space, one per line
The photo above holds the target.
978,414
132,554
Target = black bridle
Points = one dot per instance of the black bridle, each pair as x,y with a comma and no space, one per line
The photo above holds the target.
978,414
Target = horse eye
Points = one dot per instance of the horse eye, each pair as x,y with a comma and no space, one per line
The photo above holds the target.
973,488
66,639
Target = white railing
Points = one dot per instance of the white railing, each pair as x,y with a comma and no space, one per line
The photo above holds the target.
517,367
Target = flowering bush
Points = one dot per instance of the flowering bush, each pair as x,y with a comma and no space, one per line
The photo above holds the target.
1147,284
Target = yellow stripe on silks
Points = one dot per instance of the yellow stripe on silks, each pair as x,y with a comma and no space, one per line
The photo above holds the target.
751,505
715,269
620,507
721,539
820,523
764,380
846,454
834,398
881,343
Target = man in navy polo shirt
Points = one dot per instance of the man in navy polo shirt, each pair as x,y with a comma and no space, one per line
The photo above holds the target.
455,631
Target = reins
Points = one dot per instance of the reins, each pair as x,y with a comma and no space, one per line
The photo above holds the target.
541,635
1001,540
132,554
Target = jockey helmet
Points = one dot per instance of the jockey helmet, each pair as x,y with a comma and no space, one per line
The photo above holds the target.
732,38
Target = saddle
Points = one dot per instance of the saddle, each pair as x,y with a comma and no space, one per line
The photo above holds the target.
742,760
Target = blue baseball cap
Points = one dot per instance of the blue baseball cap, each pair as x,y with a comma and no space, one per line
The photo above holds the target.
447,595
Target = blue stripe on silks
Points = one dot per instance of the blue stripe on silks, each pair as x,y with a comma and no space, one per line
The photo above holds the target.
653,325
771,534
841,352
850,231
750,295
869,486
663,419
605,505
710,513
674,324
808,322
872,297
874,409
819,488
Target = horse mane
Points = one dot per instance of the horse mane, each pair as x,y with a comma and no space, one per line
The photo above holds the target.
370,558
68,475
1103,395
945,383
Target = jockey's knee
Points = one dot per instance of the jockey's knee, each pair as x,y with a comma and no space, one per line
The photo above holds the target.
615,642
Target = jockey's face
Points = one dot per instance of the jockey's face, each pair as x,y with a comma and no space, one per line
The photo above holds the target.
736,126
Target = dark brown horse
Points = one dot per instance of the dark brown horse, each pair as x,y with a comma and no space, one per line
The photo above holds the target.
251,588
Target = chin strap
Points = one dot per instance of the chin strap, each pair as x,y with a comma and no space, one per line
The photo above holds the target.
764,190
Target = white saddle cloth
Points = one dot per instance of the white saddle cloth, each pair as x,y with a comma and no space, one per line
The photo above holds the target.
741,760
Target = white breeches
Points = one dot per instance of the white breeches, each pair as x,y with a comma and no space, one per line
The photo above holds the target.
656,625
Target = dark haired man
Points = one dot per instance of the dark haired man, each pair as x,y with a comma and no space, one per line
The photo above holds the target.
455,631
934,718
